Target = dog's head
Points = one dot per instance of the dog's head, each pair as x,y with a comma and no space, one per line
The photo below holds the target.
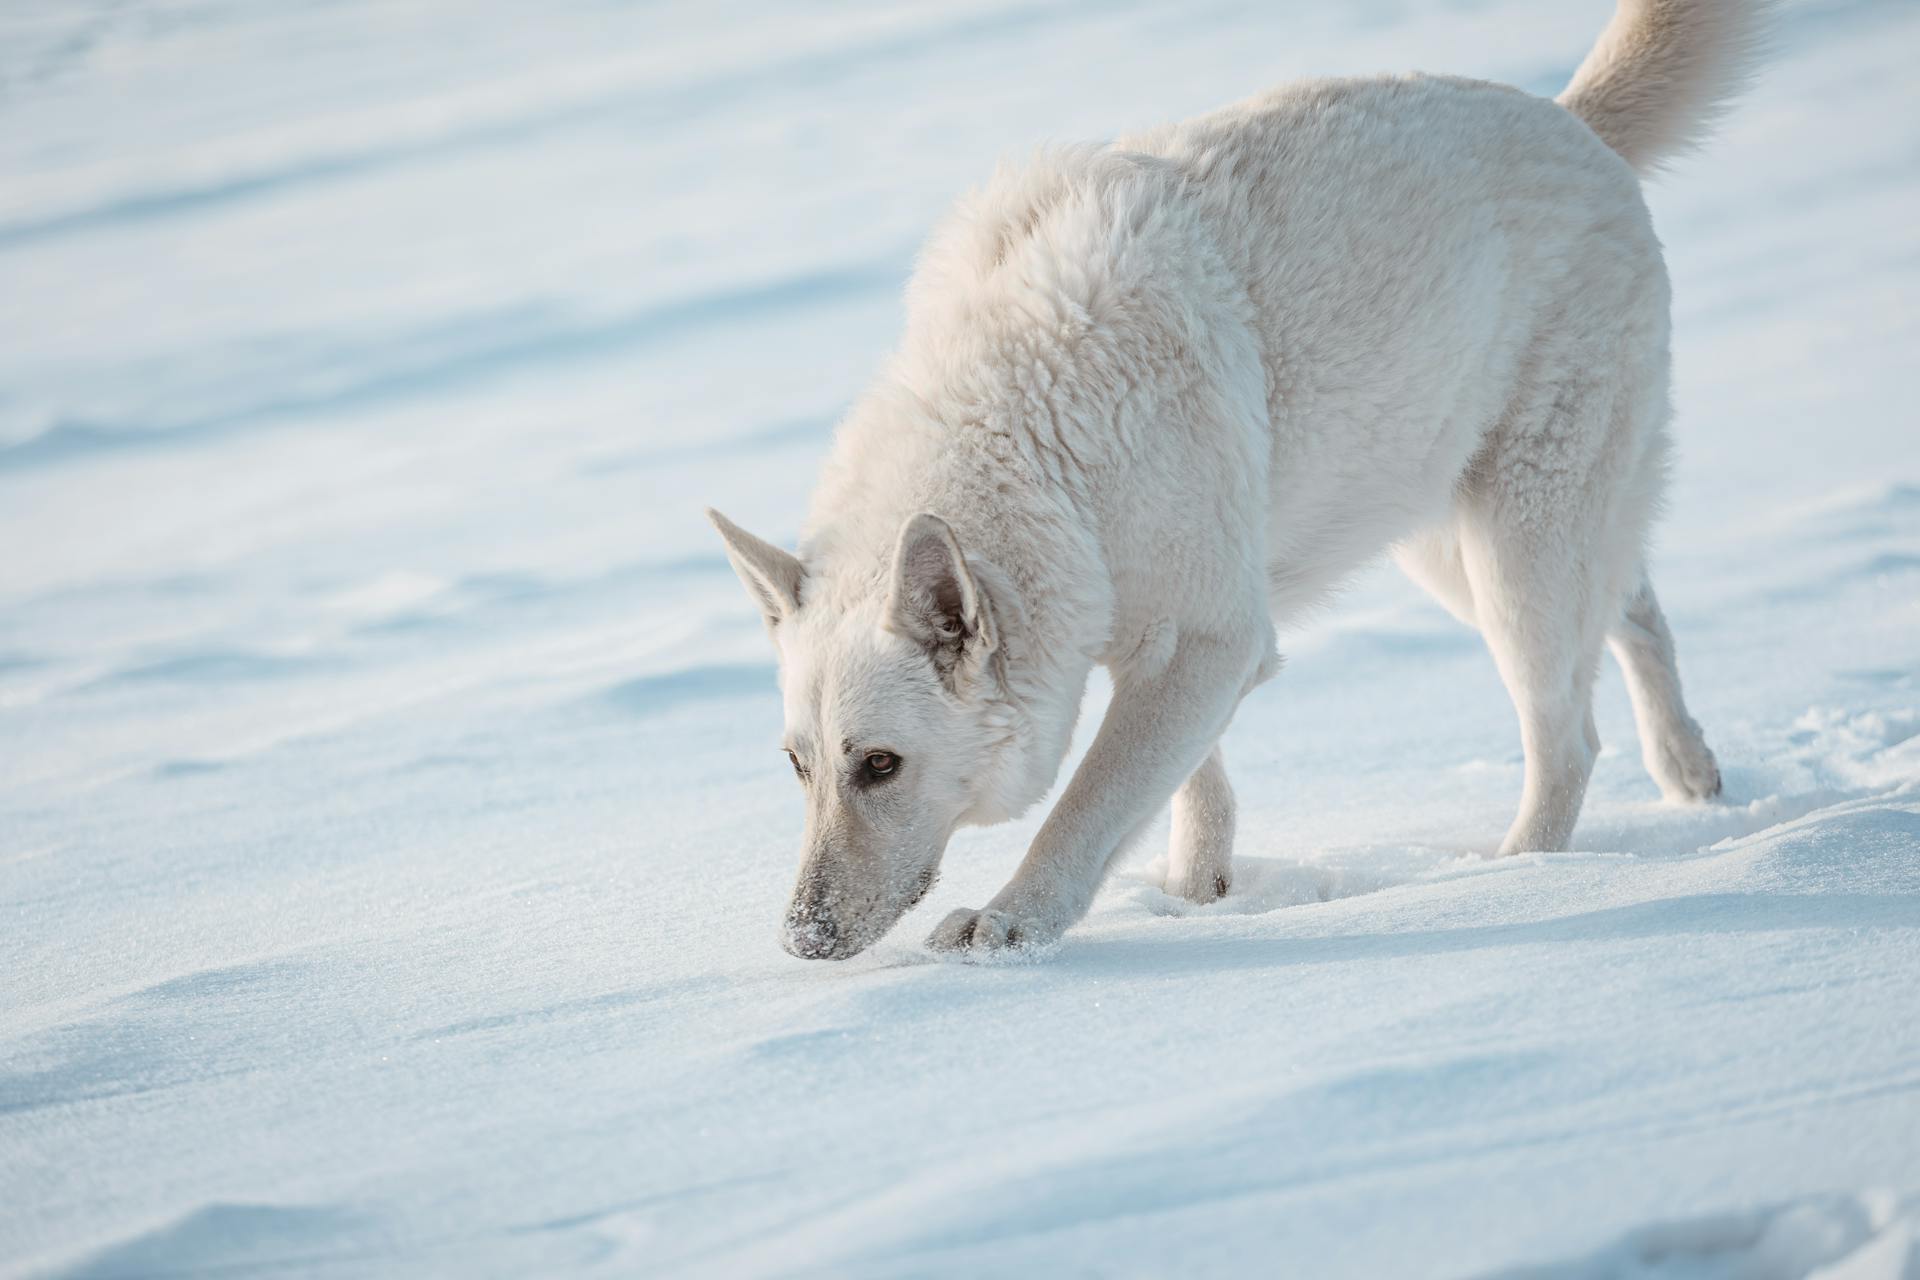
896,715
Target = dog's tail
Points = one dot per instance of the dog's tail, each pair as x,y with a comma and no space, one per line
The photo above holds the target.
1663,72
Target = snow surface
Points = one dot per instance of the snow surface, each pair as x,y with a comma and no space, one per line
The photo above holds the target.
392,833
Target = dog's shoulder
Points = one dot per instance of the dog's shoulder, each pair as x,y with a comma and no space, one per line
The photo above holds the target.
1059,231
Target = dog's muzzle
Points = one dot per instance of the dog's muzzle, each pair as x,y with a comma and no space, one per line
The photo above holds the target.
811,932
811,937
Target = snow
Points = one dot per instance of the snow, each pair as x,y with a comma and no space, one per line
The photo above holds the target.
392,832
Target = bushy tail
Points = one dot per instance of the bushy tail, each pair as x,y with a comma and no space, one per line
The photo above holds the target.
1663,72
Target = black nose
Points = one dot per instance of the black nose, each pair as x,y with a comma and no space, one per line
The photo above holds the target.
810,936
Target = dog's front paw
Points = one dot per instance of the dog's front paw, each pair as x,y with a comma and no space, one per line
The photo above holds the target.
989,930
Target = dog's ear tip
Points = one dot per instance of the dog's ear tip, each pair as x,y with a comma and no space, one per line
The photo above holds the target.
730,532
771,573
924,524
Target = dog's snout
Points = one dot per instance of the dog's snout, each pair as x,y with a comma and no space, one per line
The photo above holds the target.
811,937
837,910
811,931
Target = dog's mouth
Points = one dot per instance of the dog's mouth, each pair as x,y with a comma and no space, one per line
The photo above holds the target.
922,886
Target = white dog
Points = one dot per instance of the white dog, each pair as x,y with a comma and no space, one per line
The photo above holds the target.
1154,394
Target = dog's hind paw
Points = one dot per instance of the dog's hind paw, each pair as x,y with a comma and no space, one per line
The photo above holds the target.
988,931
1685,768
1200,883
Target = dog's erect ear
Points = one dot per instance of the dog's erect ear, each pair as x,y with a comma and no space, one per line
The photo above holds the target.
936,599
772,575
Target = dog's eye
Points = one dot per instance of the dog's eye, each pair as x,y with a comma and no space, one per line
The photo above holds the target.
794,760
881,764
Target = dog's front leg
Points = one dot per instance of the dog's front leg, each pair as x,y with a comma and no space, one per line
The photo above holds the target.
1164,718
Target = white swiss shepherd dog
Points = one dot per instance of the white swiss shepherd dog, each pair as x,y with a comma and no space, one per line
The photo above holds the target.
1155,394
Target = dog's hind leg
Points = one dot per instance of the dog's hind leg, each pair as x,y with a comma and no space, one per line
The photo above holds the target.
1671,743
1543,624
1200,857
1435,561
1550,521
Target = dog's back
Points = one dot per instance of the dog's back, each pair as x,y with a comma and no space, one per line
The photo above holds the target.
1403,253
1412,248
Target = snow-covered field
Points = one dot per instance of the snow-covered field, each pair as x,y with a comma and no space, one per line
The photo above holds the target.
392,832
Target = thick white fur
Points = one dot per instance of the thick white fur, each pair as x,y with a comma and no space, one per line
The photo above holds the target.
1154,394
